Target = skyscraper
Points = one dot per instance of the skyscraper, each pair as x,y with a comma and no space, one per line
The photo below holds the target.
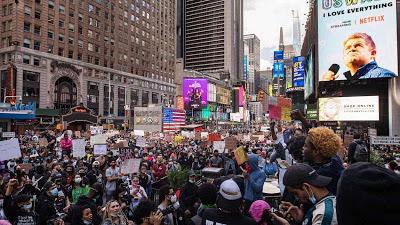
253,42
296,32
104,54
213,31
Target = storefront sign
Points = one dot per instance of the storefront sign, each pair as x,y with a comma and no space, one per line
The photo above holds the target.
18,111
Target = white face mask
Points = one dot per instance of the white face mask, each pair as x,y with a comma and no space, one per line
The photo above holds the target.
27,207
78,180
87,222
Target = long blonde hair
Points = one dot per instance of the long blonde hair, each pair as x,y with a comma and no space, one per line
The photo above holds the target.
122,219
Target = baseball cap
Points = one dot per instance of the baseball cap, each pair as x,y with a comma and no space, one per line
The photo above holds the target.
96,163
302,173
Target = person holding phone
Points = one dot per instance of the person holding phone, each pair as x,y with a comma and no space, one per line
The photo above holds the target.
309,188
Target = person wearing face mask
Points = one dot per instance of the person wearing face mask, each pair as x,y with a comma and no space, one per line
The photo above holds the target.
159,169
79,189
308,187
85,216
19,210
113,215
215,160
189,196
45,205
196,166
168,199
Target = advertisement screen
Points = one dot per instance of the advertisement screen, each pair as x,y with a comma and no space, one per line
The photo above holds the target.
298,71
278,55
279,70
246,67
309,80
364,108
195,93
241,96
357,39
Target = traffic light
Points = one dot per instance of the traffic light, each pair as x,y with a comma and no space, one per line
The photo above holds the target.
260,96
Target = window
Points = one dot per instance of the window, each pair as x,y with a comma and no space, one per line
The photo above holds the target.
27,11
61,37
60,51
27,27
50,48
90,8
26,59
80,43
37,15
36,45
61,9
27,43
50,4
36,30
70,41
79,56
61,23
50,19
90,47
70,54
71,27
80,17
36,61
50,34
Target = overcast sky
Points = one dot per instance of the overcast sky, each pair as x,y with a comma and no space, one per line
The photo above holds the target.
264,17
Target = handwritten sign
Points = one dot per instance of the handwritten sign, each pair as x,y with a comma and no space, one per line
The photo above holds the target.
141,142
219,145
9,149
240,155
99,139
100,149
129,164
78,147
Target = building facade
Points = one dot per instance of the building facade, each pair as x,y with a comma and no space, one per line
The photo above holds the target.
104,54
212,31
253,42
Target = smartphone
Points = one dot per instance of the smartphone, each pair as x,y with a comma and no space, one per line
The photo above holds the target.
281,164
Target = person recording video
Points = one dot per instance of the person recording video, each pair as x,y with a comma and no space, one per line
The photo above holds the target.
359,55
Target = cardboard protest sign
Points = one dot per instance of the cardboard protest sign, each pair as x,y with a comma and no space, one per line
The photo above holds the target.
219,145
141,142
122,143
204,135
78,147
100,149
231,143
99,139
9,149
129,164
43,142
240,155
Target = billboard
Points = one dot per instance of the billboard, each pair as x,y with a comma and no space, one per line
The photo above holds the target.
246,67
278,55
241,96
195,93
298,71
357,39
309,79
148,119
278,70
365,108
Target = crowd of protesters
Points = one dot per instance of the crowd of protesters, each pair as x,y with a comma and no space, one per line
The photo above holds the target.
323,183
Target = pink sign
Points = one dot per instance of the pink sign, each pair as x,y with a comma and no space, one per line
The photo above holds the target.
275,112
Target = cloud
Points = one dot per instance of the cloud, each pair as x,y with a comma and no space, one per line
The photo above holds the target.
265,64
265,17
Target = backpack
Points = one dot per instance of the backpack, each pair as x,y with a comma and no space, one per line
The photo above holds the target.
361,153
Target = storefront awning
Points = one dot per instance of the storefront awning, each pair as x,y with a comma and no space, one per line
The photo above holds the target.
80,114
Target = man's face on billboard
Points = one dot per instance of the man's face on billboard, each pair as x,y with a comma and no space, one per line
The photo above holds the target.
357,53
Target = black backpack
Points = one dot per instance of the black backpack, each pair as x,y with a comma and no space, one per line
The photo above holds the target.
361,152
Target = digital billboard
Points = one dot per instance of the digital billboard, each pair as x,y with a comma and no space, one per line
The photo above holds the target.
278,55
309,79
357,39
298,71
195,93
245,67
363,108
279,70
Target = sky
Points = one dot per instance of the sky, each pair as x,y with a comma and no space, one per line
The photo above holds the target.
264,18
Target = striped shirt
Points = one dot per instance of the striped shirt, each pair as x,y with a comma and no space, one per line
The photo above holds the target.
322,213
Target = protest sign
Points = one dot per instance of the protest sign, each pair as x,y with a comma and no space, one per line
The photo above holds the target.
99,139
8,134
26,167
246,137
214,137
380,140
141,142
219,145
94,130
129,164
204,135
100,149
138,133
78,147
240,155
9,149
231,143
122,143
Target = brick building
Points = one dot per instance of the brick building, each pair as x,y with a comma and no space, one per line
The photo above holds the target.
102,53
